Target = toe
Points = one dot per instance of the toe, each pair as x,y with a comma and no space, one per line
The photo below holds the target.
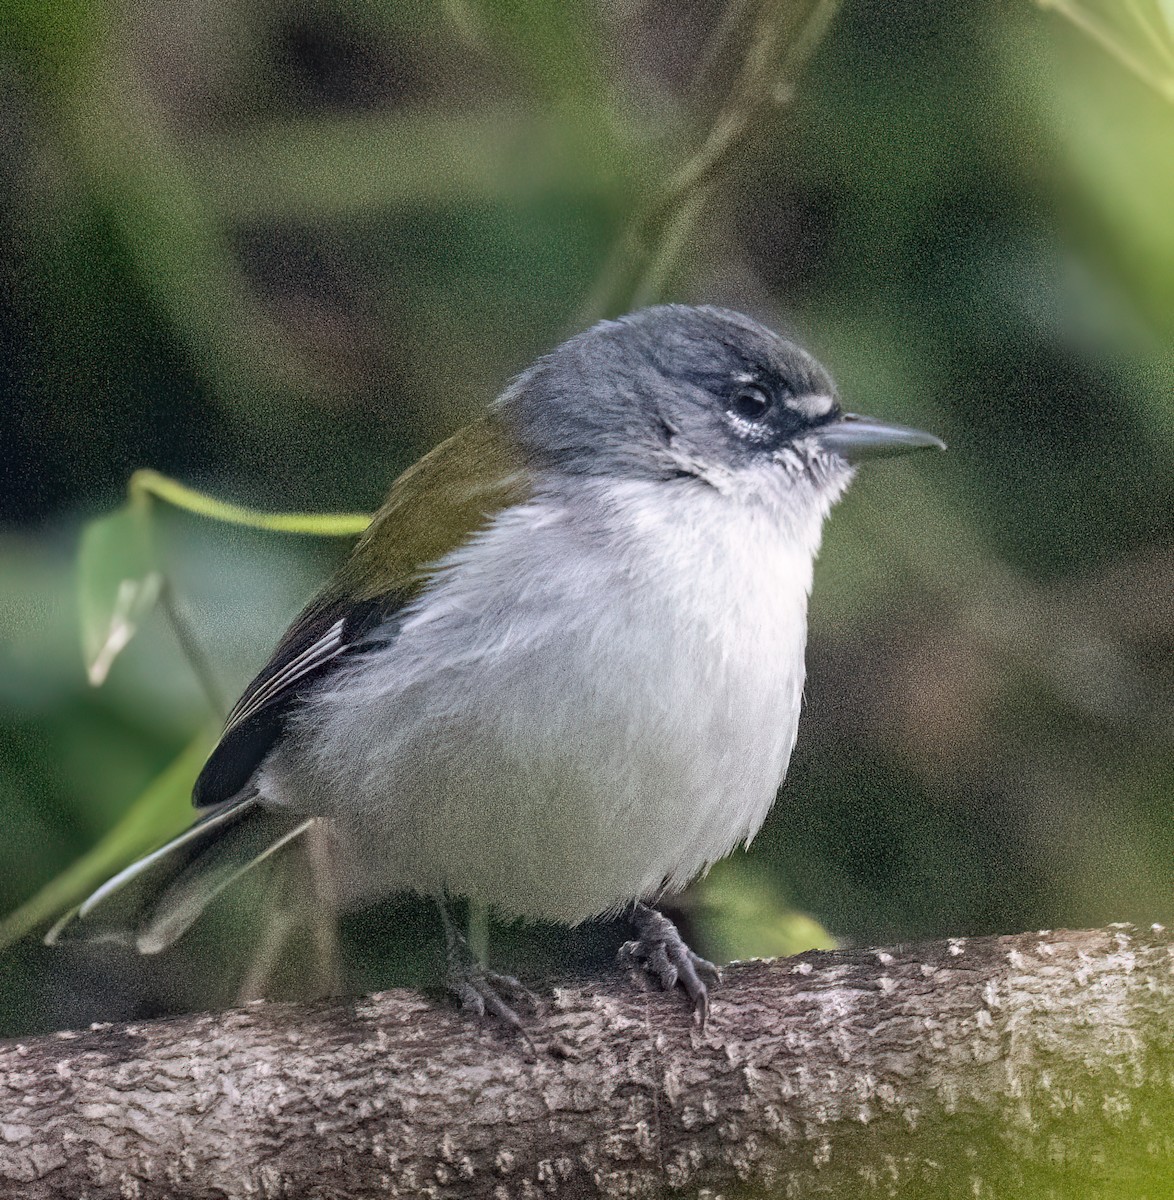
695,989
470,998
710,972
660,963
513,987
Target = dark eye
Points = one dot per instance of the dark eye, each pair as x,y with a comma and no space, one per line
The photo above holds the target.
751,403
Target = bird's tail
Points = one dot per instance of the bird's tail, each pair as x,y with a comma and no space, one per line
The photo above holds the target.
155,900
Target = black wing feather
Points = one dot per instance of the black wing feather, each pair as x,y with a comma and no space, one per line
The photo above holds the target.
326,631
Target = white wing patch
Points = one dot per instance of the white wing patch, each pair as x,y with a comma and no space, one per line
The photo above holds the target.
328,646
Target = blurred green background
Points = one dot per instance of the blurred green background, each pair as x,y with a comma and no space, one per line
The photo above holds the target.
276,250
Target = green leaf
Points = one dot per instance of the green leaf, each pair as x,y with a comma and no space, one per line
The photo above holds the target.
161,811
117,584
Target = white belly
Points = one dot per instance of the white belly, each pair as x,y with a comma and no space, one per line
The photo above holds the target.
558,730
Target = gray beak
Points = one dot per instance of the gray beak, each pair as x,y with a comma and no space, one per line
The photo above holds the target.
854,438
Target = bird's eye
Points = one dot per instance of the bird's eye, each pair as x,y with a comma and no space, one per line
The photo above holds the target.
751,403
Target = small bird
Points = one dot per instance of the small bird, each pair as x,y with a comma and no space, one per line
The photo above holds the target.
561,672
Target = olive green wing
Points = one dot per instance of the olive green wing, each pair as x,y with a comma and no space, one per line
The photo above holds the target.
432,508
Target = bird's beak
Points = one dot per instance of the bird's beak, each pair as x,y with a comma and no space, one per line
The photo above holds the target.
854,438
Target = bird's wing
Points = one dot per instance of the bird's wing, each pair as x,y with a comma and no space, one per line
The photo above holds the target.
320,635
432,508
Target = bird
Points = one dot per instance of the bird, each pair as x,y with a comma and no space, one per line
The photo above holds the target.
561,673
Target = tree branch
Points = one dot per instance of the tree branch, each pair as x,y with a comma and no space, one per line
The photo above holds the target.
983,1067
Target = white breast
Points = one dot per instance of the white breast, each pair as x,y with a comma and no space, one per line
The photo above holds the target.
592,700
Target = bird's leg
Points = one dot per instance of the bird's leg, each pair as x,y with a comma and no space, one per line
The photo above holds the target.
660,951
478,989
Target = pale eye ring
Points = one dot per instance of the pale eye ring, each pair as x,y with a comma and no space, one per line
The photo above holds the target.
751,403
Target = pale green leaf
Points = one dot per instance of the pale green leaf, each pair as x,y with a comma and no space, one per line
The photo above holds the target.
117,580
160,812
117,584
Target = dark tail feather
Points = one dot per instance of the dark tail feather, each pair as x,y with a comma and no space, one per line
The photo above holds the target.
154,901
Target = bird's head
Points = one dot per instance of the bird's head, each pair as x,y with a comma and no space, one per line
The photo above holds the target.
707,394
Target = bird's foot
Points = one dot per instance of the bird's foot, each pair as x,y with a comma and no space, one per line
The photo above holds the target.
486,992
481,991
660,951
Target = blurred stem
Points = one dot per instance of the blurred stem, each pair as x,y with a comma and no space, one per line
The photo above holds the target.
1107,40
145,482
1153,34
646,253
751,94
733,15
479,931
323,897
190,647
280,923
130,163
652,285
303,901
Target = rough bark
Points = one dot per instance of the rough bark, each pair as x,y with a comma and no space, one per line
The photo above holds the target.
1039,1064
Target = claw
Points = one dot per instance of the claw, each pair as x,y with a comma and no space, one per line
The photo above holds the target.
481,991
660,951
